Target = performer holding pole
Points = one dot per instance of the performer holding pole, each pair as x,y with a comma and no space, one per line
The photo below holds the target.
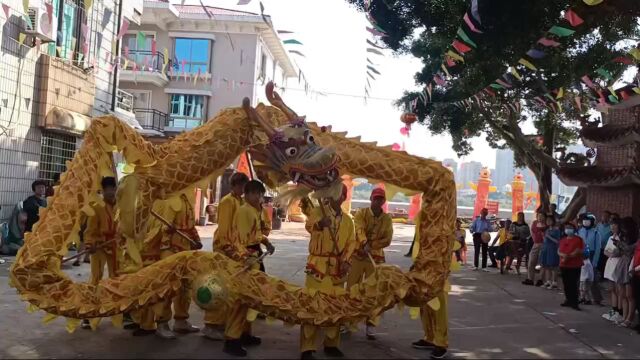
374,230
330,248
227,208
177,237
101,236
246,246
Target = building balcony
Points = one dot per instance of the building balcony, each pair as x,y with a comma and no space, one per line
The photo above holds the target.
147,122
151,119
145,67
65,95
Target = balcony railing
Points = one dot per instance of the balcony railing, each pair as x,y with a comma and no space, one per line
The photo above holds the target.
124,101
146,61
151,119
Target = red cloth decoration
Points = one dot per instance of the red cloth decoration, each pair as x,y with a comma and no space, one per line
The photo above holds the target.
461,47
573,18
404,131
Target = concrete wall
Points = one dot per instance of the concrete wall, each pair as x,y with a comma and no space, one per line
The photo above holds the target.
20,148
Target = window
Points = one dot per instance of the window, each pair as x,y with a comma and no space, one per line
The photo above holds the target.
55,150
138,48
194,53
70,39
187,111
263,67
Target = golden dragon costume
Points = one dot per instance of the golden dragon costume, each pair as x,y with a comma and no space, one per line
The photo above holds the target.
287,148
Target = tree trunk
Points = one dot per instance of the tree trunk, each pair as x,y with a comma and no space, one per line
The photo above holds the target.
577,202
545,182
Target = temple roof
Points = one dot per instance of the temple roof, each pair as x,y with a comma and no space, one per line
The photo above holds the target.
599,176
610,135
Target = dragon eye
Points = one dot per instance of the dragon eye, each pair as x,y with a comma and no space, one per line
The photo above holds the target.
291,151
310,139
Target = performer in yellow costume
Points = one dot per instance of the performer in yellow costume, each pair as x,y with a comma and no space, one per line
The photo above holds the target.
100,235
227,209
331,245
245,246
169,242
435,322
374,230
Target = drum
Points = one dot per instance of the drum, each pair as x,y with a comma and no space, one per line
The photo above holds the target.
486,237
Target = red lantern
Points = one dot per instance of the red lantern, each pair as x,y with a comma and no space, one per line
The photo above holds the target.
408,118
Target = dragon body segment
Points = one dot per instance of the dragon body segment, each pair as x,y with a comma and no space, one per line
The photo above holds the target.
159,171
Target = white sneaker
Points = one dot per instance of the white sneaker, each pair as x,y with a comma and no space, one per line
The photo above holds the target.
183,326
369,333
616,318
210,332
486,270
608,315
164,332
554,286
475,268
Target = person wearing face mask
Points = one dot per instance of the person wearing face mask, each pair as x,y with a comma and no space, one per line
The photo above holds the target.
589,234
571,250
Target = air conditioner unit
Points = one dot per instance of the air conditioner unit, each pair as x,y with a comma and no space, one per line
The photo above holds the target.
43,29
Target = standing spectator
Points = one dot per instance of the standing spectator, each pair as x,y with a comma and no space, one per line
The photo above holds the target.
498,253
586,278
479,226
626,246
553,211
635,281
589,234
549,256
520,234
603,231
34,202
613,259
537,233
13,234
571,250
461,236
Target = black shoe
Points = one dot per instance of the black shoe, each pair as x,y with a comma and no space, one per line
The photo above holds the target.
250,340
493,266
575,307
85,324
539,283
143,332
587,302
234,348
407,255
131,326
527,282
307,355
76,263
565,304
438,353
331,351
422,345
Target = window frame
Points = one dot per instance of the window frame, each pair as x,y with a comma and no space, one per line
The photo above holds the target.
190,122
177,66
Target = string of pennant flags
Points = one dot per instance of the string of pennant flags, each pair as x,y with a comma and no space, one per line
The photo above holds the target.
526,65
373,48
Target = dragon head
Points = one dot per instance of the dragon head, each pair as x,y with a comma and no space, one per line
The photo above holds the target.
292,152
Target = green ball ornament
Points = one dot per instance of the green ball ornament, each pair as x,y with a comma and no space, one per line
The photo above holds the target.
210,292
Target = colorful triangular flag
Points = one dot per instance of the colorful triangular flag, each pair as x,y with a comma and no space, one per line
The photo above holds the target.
573,18
466,38
527,64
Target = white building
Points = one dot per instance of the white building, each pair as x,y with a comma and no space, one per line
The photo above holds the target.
53,81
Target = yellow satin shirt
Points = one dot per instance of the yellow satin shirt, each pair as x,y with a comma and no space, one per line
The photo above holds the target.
248,222
377,231
223,236
103,227
325,256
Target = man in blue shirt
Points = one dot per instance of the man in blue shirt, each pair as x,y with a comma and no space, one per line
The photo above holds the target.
589,235
479,226
603,231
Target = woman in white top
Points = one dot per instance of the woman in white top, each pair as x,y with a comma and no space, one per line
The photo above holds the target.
613,254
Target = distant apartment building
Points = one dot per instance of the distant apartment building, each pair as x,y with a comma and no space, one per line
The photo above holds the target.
53,81
183,64
504,168
469,172
453,165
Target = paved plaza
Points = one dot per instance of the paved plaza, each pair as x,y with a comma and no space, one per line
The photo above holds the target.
491,316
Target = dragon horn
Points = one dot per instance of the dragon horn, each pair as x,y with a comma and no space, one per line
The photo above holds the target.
255,117
276,101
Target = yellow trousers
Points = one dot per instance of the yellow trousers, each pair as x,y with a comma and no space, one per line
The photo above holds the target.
181,301
233,318
435,323
360,270
309,333
98,260
145,318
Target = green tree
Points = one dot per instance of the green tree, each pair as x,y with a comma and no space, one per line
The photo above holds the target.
426,29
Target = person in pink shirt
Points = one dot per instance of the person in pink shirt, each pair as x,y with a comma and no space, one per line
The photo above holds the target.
537,235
